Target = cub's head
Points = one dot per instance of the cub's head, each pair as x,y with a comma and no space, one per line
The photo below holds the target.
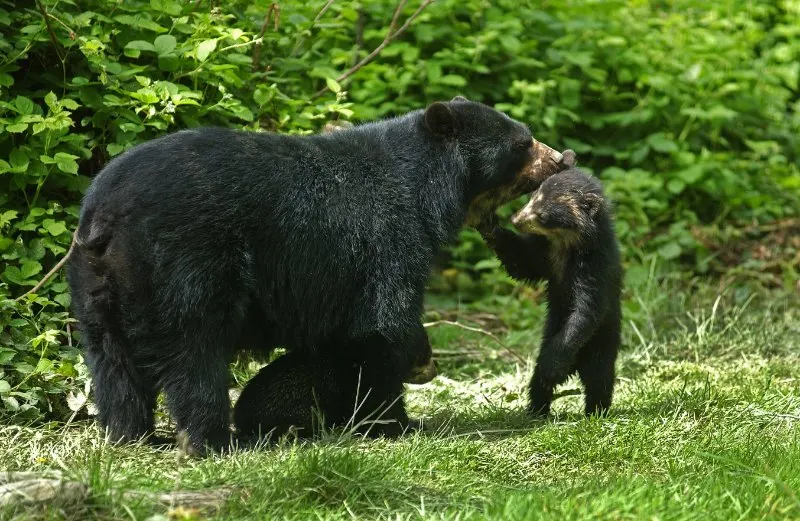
566,207
500,155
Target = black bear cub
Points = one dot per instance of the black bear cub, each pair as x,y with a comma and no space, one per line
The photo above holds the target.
568,240
293,392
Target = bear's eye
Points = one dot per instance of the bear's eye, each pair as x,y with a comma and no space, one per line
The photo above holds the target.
522,144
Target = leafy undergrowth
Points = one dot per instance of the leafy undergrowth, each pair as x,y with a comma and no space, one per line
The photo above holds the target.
705,426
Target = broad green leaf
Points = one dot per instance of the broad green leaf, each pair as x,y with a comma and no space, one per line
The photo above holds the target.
30,268
670,250
675,186
488,264
4,166
141,22
114,149
205,48
24,105
66,162
54,227
64,299
661,143
164,44
692,174
333,85
4,386
13,275
16,128
169,62
51,100
19,160
170,7
8,216
141,45
453,80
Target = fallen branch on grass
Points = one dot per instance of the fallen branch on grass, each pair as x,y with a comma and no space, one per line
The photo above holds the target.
491,335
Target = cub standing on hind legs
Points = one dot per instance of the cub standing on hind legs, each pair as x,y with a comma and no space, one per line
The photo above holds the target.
568,239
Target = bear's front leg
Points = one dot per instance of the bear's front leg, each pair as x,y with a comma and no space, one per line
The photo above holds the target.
381,364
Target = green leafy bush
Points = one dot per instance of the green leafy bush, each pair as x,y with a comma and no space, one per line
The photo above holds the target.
688,110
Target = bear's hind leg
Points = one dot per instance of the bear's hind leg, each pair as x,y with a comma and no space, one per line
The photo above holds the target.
196,388
124,396
597,373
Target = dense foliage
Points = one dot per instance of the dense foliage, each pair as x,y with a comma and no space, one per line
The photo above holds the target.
688,110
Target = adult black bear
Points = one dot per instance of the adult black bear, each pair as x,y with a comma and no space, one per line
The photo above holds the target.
569,241
197,243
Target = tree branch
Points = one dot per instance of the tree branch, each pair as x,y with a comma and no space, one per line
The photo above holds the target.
274,9
50,273
50,31
391,35
320,14
491,335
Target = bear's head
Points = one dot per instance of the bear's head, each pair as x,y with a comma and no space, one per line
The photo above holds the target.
502,159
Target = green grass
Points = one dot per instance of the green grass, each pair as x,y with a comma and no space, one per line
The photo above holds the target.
705,425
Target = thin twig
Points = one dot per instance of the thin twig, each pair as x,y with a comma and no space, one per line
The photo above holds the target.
50,273
361,21
320,14
491,335
274,9
50,31
567,392
393,25
391,35
65,26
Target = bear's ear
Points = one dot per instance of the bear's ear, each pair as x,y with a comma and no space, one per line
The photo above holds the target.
592,203
459,98
440,120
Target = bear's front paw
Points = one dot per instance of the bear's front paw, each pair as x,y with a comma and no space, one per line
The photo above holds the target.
488,225
554,370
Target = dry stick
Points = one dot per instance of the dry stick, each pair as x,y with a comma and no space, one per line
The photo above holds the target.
361,21
391,35
320,14
275,9
65,26
477,330
50,31
50,273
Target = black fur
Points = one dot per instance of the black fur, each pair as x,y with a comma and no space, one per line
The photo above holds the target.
294,390
571,243
291,392
204,241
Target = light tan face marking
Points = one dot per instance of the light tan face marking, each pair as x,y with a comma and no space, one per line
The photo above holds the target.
527,219
544,163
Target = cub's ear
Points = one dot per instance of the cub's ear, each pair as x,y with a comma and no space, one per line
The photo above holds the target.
592,203
459,98
440,120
